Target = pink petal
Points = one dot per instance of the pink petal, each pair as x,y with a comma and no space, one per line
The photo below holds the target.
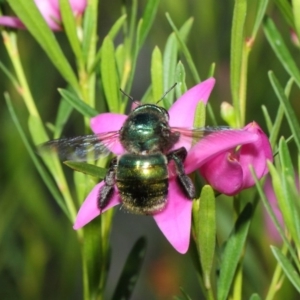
175,220
108,122
255,154
78,6
50,12
223,173
89,209
11,22
214,144
182,111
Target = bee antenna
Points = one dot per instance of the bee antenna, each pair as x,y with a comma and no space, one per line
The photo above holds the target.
128,96
169,90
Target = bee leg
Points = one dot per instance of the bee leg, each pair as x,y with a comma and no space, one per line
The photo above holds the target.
107,190
178,156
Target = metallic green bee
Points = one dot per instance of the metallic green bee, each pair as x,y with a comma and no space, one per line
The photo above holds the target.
141,174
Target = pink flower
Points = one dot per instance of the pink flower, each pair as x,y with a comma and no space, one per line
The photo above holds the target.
175,219
50,11
229,173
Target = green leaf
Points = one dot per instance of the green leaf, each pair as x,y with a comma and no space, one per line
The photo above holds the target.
286,10
277,43
261,11
200,115
287,267
255,297
78,104
287,204
40,168
70,27
148,18
289,112
169,64
131,270
185,51
86,168
267,118
63,114
156,74
90,32
279,117
93,258
185,295
276,183
180,80
112,34
206,233
170,61
233,251
9,75
296,12
236,54
109,75
34,22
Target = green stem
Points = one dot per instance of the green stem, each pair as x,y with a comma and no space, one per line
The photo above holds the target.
10,41
243,82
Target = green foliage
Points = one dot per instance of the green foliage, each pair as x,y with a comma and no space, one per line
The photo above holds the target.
55,82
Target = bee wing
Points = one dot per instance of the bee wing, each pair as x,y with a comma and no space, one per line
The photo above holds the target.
190,136
81,148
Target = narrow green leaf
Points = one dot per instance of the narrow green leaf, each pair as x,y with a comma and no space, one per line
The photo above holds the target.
109,75
9,75
296,13
261,11
267,118
93,258
63,114
148,18
90,32
236,54
287,204
185,294
211,71
277,43
287,267
274,175
169,64
185,51
78,104
45,176
286,10
289,112
70,27
255,297
200,115
265,201
86,168
279,117
206,236
112,34
180,88
233,251
156,74
131,271
34,22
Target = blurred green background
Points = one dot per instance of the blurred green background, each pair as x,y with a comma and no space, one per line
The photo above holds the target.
39,254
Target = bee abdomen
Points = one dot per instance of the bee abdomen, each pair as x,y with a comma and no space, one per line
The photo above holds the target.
142,181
